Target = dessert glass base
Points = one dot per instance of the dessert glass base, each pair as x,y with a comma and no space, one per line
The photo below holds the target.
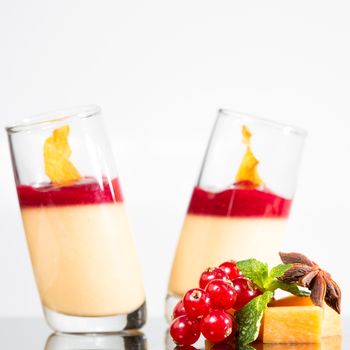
170,301
102,324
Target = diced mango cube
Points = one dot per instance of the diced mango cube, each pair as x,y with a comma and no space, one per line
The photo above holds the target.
292,324
331,323
296,320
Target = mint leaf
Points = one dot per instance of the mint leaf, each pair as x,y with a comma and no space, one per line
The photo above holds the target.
291,288
279,271
249,318
276,272
255,270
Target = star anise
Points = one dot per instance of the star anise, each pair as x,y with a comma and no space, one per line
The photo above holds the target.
307,273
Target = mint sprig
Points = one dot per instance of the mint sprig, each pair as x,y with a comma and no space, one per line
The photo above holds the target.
258,272
250,316
255,270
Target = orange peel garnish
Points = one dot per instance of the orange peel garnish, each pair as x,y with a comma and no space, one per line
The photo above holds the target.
58,167
248,171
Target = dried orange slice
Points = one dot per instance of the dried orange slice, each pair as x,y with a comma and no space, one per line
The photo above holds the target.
58,167
248,171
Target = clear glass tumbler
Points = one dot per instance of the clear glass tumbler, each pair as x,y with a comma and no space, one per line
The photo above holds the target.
81,247
240,204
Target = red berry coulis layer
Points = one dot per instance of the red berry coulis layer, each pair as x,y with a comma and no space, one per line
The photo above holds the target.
86,191
239,201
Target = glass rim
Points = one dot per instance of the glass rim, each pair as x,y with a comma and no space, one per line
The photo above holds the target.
284,127
45,119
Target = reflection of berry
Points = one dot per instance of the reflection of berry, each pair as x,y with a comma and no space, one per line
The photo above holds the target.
212,273
179,309
222,294
196,302
185,330
231,269
246,291
216,325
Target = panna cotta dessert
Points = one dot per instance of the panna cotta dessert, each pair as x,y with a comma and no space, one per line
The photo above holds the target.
234,223
234,213
82,251
81,247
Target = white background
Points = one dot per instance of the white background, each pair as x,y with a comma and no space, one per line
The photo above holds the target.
160,70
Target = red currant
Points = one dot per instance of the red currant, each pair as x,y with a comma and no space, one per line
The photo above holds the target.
185,330
222,294
246,291
179,309
216,325
185,347
196,302
212,273
231,269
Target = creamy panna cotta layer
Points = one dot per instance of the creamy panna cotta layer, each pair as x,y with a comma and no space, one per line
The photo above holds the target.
233,224
210,240
82,251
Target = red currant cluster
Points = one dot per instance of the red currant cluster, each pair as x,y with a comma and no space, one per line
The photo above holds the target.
210,308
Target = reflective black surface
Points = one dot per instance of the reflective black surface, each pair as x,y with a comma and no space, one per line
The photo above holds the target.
33,334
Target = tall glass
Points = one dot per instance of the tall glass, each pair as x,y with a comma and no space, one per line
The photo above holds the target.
240,204
81,247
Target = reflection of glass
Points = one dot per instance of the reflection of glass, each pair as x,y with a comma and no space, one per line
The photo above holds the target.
240,205
81,247
134,341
